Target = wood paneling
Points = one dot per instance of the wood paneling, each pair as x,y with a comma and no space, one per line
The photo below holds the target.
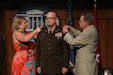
105,28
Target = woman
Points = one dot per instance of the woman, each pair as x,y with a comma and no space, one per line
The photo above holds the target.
23,62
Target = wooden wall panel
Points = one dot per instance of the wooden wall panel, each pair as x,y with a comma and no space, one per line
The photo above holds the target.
105,28
5,27
106,42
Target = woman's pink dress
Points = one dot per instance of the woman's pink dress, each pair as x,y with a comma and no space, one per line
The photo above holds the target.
23,62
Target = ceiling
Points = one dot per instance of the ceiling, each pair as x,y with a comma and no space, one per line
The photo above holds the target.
56,4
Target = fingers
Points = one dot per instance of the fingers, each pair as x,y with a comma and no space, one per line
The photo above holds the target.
65,29
39,70
38,29
67,26
64,70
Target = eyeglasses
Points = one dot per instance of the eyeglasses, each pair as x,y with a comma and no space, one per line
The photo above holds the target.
50,18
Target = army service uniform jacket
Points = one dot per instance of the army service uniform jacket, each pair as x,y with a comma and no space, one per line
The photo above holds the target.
52,52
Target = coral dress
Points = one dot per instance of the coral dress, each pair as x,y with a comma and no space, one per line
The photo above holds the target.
23,62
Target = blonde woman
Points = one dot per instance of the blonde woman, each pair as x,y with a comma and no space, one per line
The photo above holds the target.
23,62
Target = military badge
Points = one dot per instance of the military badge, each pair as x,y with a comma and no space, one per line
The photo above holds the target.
58,34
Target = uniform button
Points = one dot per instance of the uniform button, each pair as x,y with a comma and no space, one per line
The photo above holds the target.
49,39
48,43
49,48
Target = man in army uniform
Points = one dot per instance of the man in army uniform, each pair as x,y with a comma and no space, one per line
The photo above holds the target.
52,50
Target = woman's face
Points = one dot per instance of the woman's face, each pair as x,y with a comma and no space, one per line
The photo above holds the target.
23,25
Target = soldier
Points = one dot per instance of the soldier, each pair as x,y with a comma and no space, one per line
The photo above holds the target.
52,50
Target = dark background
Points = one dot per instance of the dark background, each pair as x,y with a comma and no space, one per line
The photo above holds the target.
56,4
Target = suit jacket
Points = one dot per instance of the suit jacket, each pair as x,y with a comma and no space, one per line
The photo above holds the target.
86,42
52,51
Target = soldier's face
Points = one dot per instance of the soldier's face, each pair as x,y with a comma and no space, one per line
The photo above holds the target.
51,19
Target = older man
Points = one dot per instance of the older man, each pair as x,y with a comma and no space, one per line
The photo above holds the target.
86,41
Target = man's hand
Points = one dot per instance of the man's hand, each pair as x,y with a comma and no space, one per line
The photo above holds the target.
39,70
64,70
65,29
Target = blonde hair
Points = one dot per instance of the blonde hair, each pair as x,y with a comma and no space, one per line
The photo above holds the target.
16,22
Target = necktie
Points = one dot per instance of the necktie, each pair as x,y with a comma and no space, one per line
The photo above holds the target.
50,32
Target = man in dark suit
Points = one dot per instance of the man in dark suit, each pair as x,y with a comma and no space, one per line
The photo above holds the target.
52,50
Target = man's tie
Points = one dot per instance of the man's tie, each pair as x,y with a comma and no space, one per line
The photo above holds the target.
50,32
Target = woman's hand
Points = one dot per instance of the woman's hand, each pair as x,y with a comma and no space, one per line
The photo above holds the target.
38,29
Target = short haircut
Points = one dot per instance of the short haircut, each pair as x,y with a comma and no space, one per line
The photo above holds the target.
88,17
